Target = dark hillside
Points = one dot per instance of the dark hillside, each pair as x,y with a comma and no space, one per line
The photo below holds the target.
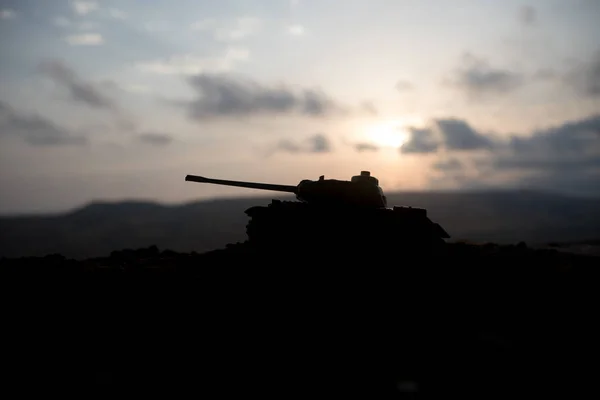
491,322
99,228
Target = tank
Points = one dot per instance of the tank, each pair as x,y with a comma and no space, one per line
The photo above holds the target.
332,212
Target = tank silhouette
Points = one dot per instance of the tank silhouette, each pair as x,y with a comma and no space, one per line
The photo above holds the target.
334,212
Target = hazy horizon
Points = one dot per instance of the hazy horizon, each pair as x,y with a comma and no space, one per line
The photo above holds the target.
263,198
111,100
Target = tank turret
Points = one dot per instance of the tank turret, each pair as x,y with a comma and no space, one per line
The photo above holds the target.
361,191
350,213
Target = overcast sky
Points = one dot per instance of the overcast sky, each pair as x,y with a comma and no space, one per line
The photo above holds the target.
121,99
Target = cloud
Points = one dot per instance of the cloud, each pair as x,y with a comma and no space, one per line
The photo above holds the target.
459,135
296,30
84,7
527,15
79,90
422,140
85,39
451,134
229,30
189,64
449,164
318,143
369,107
7,14
572,145
155,139
585,78
83,92
476,78
582,77
362,147
565,157
228,96
35,130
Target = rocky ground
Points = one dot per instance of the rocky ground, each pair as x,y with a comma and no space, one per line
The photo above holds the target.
152,257
479,321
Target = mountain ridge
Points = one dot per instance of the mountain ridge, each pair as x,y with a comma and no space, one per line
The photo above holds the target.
99,227
395,194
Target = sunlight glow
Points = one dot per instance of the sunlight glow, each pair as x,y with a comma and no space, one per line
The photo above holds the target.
387,134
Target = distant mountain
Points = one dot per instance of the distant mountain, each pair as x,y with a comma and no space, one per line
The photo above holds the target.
99,228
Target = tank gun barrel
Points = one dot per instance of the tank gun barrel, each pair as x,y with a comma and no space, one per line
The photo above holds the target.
249,185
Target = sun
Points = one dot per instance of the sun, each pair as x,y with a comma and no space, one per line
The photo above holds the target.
387,134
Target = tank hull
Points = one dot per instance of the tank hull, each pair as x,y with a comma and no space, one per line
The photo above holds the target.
294,225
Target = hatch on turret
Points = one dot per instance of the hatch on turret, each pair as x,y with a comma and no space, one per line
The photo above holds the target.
365,176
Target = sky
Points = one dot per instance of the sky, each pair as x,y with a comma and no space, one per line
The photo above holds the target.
111,100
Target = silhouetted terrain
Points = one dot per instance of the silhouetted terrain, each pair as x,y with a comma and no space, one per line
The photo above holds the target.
491,322
99,228
295,318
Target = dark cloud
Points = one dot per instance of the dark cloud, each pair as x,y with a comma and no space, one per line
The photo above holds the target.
360,147
458,135
34,129
403,86
288,146
573,137
314,103
318,143
227,96
79,90
155,139
450,164
421,141
581,77
83,92
562,158
477,78
587,76
527,15
572,146
449,133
